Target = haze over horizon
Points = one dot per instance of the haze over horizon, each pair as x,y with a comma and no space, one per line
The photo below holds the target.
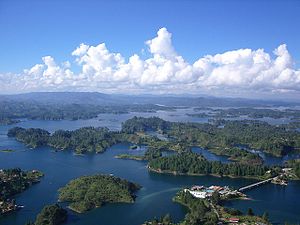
155,65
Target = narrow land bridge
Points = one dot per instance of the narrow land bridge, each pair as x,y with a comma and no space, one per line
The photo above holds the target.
256,184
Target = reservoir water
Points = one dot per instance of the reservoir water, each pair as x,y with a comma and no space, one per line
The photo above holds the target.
154,199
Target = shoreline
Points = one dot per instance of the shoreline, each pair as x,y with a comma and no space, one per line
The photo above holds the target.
198,174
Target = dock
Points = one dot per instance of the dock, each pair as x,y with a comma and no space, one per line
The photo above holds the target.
256,184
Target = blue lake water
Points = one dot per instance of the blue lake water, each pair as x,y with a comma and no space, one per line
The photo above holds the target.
269,159
210,156
154,199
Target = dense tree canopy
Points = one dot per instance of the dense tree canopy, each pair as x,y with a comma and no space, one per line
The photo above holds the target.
51,215
191,163
88,192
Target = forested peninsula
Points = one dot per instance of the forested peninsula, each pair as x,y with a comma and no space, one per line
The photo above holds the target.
12,182
194,164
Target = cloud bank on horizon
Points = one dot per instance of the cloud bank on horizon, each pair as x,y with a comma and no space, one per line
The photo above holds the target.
240,72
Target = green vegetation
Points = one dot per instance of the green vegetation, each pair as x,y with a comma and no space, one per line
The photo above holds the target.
223,141
87,139
258,135
165,220
12,111
8,121
207,212
89,192
51,215
33,137
133,157
7,150
199,115
239,155
256,113
200,211
140,124
194,164
275,140
12,182
295,165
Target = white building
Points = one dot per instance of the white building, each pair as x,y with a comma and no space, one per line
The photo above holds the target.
197,194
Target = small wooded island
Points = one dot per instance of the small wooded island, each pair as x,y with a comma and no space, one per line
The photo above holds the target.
50,215
90,192
12,182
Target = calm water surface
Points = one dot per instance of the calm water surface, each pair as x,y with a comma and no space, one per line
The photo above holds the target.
154,199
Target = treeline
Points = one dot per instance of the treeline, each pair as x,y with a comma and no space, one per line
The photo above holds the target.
295,165
33,137
14,181
222,141
90,139
275,140
12,111
239,155
8,121
208,212
88,192
256,113
87,139
141,124
51,215
193,164
200,211
258,135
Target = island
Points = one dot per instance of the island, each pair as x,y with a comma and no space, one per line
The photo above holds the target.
7,150
82,140
51,215
12,182
88,192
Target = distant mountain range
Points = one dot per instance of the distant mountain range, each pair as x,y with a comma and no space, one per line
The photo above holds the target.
96,98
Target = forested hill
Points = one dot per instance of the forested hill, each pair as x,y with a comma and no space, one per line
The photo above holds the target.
96,98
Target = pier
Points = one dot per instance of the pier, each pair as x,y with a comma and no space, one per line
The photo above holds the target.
256,184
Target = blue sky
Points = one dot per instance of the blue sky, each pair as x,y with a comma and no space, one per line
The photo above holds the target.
33,29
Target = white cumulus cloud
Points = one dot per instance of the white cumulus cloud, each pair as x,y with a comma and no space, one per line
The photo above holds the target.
241,71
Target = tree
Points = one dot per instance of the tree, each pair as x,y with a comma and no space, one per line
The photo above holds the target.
29,223
167,219
215,198
250,212
51,215
265,216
